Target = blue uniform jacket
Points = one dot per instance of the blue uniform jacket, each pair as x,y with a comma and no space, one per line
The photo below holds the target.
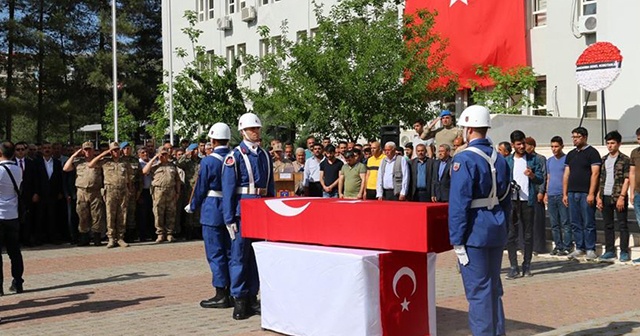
534,183
471,179
209,178
234,175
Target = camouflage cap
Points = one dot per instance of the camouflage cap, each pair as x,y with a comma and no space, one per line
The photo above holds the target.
87,144
114,145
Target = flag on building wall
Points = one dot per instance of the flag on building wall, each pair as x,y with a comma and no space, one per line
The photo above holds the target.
480,32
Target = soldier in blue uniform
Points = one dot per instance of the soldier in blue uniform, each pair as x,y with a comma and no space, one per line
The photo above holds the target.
478,218
207,195
247,173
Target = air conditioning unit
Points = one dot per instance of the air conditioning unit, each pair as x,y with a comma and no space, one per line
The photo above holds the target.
224,23
587,24
248,13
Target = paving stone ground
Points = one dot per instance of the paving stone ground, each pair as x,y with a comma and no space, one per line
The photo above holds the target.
150,289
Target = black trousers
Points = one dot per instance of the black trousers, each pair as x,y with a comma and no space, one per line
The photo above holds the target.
370,194
521,219
422,195
539,228
608,212
145,222
10,240
389,195
315,189
47,227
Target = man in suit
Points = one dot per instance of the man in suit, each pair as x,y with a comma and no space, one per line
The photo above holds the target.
441,175
27,212
421,175
47,194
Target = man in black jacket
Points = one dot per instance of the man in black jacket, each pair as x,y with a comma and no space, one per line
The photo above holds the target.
421,175
46,195
441,175
26,209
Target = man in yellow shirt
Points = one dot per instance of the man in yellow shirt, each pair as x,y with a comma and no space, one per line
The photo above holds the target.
373,163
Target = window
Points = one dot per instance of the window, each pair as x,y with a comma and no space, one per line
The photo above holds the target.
231,55
540,97
589,7
242,51
264,47
243,4
539,13
211,8
210,56
313,32
590,100
264,2
200,8
231,7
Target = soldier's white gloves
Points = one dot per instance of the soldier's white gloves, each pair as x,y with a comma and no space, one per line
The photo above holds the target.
232,228
461,253
187,209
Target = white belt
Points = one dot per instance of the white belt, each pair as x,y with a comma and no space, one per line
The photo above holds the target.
214,193
255,191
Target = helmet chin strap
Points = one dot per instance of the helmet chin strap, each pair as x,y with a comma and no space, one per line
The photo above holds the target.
464,134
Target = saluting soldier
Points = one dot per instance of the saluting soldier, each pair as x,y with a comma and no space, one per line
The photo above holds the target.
89,204
165,187
190,164
117,183
136,189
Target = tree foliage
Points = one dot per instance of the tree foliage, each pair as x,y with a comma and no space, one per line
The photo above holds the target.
206,91
127,124
361,69
509,94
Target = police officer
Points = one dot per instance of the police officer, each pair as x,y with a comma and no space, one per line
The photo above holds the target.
165,187
207,196
136,189
478,218
247,173
117,183
89,206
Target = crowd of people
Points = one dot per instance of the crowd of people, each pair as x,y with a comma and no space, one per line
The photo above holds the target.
126,193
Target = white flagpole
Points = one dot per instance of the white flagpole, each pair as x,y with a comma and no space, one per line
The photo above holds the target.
170,76
115,70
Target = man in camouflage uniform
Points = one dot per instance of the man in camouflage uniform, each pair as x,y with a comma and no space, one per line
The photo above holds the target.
165,190
117,184
190,164
134,193
89,204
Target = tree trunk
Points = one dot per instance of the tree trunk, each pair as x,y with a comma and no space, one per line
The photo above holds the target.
9,84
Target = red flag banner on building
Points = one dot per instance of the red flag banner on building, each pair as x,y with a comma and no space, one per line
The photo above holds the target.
479,32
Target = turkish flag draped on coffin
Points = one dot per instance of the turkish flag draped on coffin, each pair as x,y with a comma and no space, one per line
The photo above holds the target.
480,32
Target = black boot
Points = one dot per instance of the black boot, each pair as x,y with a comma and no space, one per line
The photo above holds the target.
16,286
254,305
241,309
221,300
83,239
97,239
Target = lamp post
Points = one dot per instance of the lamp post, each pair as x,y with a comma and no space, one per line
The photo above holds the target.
115,70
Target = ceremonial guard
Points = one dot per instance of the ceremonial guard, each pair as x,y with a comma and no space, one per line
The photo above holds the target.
207,196
165,188
247,173
89,206
478,218
117,183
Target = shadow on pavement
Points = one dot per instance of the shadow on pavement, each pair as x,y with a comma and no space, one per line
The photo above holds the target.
49,301
562,266
115,278
613,329
452,322
84,307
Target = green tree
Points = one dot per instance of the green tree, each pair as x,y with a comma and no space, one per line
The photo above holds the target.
206,91
508,95
361,69
127,124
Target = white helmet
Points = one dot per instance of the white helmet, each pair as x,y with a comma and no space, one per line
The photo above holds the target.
220,131
475,116
248,120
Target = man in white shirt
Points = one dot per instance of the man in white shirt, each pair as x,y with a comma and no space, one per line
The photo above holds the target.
10,181
311,179
393,175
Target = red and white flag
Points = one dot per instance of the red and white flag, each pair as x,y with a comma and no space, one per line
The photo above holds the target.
480,32
404,294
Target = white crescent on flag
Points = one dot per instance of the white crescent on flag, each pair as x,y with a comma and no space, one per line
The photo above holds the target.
399,274
454,1
282,209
